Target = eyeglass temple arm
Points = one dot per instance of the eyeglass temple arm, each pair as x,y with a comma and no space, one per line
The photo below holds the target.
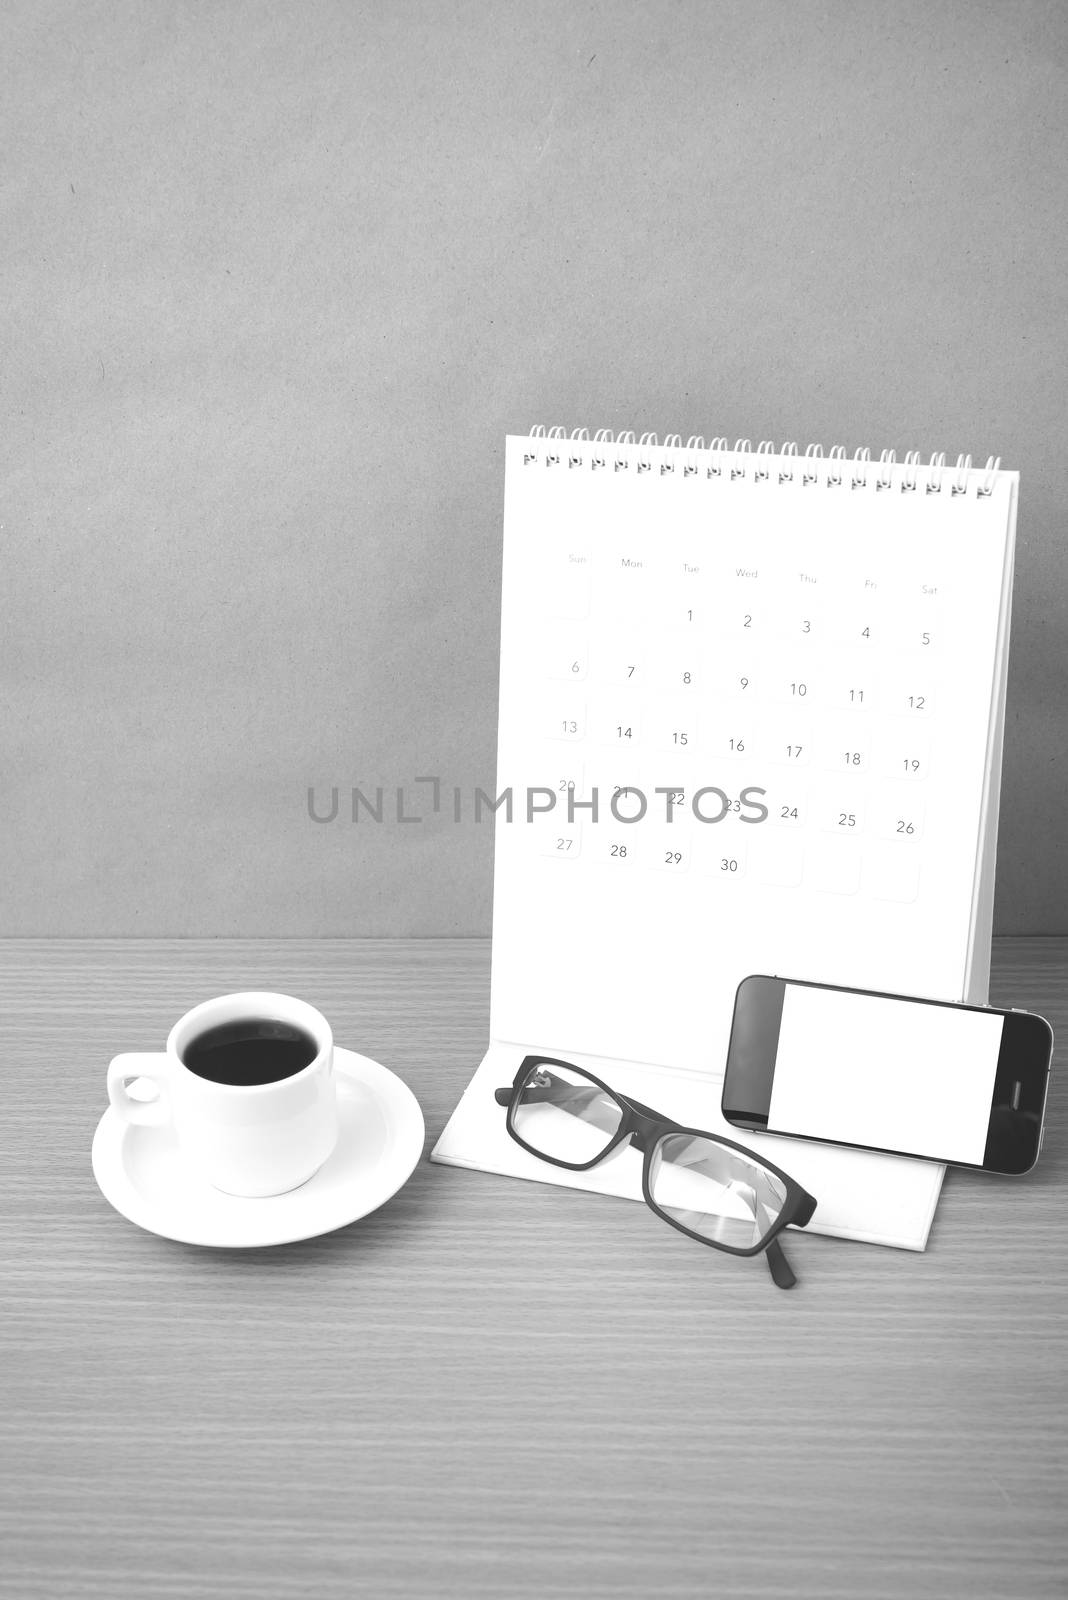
555,1092
551,1091
778,1265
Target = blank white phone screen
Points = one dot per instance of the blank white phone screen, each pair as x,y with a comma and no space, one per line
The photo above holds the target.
893,1074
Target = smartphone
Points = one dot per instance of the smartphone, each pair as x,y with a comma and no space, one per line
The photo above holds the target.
958,1084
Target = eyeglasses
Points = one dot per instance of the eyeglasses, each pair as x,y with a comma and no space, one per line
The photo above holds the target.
710,1188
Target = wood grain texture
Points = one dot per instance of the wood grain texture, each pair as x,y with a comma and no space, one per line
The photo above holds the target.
490,1389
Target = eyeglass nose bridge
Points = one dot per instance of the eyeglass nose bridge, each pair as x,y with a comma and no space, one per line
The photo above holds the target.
645,1127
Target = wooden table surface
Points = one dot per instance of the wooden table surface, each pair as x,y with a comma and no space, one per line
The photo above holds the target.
490,1388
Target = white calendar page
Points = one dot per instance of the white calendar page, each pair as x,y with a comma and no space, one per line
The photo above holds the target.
811,658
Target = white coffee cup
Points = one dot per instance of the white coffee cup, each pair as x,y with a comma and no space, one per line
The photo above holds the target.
253,1139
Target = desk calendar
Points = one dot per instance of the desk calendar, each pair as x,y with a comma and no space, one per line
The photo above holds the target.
751,707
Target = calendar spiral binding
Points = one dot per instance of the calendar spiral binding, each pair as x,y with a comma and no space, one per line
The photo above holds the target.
834,470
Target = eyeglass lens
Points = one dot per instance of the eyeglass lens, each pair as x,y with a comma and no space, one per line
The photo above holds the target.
715,1192
564,1116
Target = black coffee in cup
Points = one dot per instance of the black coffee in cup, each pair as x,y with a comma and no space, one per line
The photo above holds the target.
249,1051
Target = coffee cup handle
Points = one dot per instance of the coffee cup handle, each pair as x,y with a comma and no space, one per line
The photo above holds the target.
135,1064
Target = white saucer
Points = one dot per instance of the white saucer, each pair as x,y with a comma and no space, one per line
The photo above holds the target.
142,1173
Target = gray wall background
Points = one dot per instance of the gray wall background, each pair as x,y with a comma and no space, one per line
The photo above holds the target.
277,279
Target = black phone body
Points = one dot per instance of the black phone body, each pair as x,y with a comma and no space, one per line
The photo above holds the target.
961,1085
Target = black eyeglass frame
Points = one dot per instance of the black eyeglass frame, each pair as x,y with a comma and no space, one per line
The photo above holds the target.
647,1128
